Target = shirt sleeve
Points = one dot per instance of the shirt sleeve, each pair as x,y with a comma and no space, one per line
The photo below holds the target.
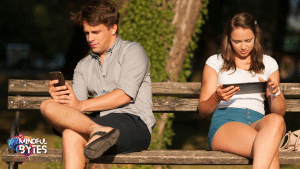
79,86
214,62
135,67
270,65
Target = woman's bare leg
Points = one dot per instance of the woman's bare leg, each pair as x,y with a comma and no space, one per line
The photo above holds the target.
259,141
275,163
270,131
236,138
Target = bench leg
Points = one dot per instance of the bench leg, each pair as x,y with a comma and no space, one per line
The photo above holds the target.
17,120
14,131
12,165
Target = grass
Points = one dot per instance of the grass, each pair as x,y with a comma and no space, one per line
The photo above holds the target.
34,126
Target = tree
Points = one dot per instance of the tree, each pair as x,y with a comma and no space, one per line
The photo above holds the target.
188,19
168,30
186,15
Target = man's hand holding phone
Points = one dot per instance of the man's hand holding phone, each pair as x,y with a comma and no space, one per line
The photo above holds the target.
60,93
57,86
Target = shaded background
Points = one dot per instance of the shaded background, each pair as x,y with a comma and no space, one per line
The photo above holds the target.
37,37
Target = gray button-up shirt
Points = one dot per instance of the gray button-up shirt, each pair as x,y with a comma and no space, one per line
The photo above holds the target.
126,67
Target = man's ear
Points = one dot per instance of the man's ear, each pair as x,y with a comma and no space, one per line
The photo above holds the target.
114,29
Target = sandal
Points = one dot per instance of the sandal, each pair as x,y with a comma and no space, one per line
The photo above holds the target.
96,148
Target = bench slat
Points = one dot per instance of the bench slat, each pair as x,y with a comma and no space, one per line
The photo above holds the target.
154,157
192,89
29,87
40,87
159,104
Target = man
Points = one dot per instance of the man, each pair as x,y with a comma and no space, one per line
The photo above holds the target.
117,74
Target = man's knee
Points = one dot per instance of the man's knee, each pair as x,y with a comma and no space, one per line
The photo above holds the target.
45,106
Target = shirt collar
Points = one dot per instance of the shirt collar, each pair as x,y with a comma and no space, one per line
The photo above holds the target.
95,55
114,45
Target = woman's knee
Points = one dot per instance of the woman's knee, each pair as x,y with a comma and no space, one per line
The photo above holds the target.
276,122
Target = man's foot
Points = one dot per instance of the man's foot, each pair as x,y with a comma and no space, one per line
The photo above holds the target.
100,142
96,129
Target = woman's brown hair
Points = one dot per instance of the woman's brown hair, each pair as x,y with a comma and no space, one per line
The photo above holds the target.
245,21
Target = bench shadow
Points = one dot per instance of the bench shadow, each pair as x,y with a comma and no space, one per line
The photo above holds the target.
190,132
105,159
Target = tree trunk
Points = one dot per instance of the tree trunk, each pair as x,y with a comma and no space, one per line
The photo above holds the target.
186,16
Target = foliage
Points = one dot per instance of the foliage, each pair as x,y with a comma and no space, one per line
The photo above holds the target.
186,68
149,23
167,133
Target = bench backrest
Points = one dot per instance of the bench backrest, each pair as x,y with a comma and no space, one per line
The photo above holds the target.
167,96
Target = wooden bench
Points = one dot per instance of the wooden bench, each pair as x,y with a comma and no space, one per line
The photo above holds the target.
183,98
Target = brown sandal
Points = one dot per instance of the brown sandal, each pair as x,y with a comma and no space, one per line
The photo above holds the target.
96,148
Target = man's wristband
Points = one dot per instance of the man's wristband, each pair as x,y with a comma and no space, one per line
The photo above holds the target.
276,94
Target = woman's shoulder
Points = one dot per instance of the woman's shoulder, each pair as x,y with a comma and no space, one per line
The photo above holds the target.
215,58
268,59
270,64
215,62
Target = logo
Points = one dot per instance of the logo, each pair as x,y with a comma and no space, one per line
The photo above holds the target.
26,145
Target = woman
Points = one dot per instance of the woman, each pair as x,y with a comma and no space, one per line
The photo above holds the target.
239,124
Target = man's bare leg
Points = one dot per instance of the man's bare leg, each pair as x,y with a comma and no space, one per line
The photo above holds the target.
65,117
73,147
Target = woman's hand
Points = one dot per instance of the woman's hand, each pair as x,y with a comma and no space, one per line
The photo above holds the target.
271,85
225,93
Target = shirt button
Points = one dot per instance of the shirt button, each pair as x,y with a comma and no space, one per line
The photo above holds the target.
103,75
249,122
248,117
248,112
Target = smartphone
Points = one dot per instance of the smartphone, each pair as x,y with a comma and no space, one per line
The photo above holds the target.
57,76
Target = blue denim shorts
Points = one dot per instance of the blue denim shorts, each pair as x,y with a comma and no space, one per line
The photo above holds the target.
225,115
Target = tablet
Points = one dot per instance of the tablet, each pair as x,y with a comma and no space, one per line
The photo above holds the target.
249,88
